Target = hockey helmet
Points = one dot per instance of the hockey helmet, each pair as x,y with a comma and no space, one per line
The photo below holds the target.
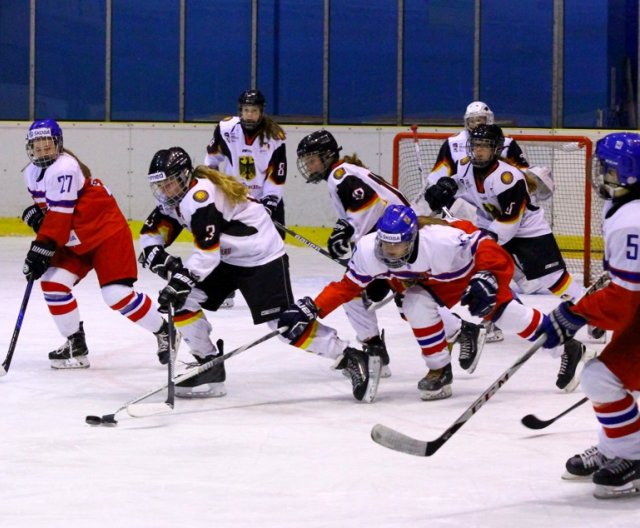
251,98
484,136
317,152
397,231
44,142
170,174
616,168
477,113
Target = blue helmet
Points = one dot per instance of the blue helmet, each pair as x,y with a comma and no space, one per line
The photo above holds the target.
397,231
617,164
49,131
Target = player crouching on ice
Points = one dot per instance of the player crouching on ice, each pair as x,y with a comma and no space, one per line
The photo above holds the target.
439,265
609,380
236,247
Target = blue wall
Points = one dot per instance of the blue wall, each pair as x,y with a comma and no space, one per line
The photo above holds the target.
364,76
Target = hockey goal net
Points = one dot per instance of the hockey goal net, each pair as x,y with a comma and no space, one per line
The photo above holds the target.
573,211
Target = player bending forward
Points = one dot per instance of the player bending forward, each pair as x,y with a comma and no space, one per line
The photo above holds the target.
236,246
609,380
440,265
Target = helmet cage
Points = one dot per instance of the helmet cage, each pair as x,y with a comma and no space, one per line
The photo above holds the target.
43,135
327,159
487,136
169,189
252,98
396,235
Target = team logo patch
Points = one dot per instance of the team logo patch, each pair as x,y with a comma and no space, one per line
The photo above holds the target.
228,118
358,194
464,160
339,173
506,178
201,196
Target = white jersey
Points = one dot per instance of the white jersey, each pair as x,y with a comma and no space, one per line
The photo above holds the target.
444,253
454,149
241,235
502,201
621,232
262,168
360,197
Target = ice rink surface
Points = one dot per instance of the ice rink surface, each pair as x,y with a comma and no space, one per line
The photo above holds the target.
288,446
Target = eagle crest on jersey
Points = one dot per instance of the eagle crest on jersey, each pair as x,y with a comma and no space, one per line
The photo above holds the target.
338,174
247,167
506,178
200,196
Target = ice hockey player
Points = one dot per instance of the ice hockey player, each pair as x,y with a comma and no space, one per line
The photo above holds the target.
439,265
610,380
79,227
236,247
503,204
359,198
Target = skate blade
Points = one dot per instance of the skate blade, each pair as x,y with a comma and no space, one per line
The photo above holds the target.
441,394
576,478
385,371
617,492
494,337
207,390
374,378
81,362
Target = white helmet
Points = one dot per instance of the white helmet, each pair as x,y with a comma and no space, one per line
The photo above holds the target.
477,113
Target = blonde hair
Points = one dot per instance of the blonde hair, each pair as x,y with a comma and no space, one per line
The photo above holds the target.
232,188
354,160
85,170
270,130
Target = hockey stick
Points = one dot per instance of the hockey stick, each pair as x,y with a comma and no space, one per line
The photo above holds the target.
533,422
109,419
371,306
171,386
16,331
398,441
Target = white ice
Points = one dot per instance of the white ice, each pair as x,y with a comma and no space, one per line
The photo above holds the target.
288,446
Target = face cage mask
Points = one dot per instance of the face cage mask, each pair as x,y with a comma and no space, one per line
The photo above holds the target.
607,190
177,183
314,177
250,125
481,143
44,161
395,261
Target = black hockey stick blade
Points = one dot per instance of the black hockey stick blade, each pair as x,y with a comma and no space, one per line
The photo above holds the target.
107,419
533,422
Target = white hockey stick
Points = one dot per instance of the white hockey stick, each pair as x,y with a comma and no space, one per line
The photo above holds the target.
139,411
392,439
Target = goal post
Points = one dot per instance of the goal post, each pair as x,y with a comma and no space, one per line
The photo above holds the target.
573,211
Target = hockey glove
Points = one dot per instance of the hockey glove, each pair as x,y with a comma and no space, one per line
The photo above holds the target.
38,259
339,244
560,325
33,217
270,203
297,317
159,261
480,295
175,293
441,194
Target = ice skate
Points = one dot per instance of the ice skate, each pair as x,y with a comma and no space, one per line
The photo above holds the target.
364,371
74,354
583,465
436,385
471,339
162,336
494,334
617,478
376,346
207,384
574,355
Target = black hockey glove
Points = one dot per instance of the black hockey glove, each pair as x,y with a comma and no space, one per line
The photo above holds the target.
159,261
297,317
33,217
339,244
441,194
38,259
560,325
480,295
270,203
175,293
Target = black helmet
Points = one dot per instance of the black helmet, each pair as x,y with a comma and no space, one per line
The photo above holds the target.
251,98
490,136
322,144
170,173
